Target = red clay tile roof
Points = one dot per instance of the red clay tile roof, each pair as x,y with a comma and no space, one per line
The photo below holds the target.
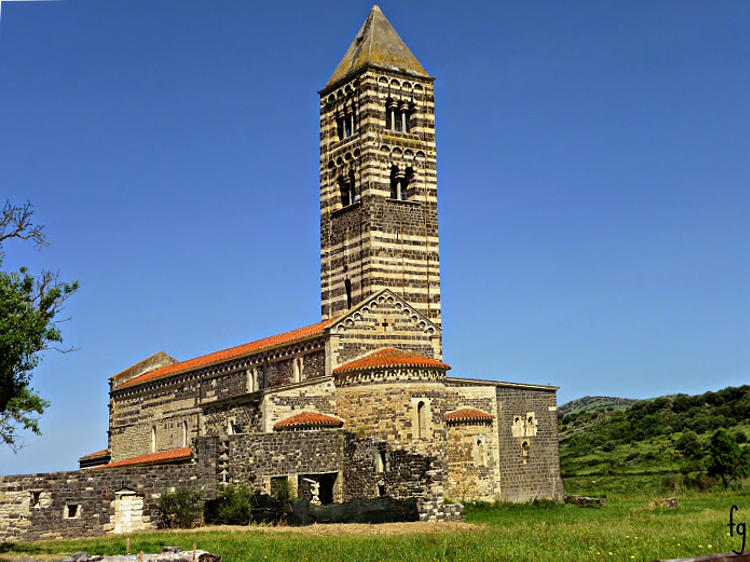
309,419
232,352
172,455
468,414
96,454
390,357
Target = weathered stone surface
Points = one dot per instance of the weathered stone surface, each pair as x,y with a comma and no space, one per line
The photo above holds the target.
665,503
164,556
585,501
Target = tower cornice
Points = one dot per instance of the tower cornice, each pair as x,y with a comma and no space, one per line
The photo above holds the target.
372,66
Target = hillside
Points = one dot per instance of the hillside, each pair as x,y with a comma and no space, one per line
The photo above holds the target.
651,443
594,403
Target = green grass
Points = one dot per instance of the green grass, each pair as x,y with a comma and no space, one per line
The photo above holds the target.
627,529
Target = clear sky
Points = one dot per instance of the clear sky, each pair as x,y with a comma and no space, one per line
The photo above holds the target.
592,177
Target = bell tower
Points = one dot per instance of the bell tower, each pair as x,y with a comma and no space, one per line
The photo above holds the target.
378,183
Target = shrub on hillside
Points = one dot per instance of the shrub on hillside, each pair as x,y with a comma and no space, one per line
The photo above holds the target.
181,509
726,459
689,445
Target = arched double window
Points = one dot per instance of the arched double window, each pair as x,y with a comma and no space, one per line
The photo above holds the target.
347,189
400,183
399,115
346,123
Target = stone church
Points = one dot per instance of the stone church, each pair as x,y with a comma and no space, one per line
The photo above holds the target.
357,405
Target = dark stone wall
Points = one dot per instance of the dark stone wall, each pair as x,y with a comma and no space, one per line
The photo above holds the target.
93,490
361,472
314,364
537,475
253,457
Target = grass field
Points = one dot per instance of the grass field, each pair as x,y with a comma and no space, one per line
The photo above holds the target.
626,529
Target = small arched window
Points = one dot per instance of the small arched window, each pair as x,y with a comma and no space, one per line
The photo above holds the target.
478,453
184,434
421,420
525,451
153,438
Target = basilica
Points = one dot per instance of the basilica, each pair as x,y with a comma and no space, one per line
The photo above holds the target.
357,404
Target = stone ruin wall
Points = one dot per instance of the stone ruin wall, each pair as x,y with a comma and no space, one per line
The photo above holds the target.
260,458
89,502
529,457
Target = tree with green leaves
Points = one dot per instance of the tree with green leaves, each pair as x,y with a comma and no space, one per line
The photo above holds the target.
30,309
726,459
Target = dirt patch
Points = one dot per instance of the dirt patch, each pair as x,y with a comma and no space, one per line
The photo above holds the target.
337,529
11,557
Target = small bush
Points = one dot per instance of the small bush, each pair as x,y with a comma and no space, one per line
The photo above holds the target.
283,490
674,482
232,507
181,509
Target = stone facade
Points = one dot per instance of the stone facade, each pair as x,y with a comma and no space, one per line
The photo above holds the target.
358,405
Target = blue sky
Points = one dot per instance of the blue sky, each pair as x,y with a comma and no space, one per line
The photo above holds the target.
592,178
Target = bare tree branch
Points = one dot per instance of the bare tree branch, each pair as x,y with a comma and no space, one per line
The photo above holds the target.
15,222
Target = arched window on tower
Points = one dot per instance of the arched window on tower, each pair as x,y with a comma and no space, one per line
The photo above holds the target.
395,187
344,189
347,189
340,124
391,110
348,287
406,187
153,438
184,434
404,110
400,181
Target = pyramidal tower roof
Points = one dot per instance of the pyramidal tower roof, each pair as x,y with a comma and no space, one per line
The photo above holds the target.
377,43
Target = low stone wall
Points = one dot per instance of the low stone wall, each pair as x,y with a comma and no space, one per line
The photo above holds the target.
122,500
89,502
